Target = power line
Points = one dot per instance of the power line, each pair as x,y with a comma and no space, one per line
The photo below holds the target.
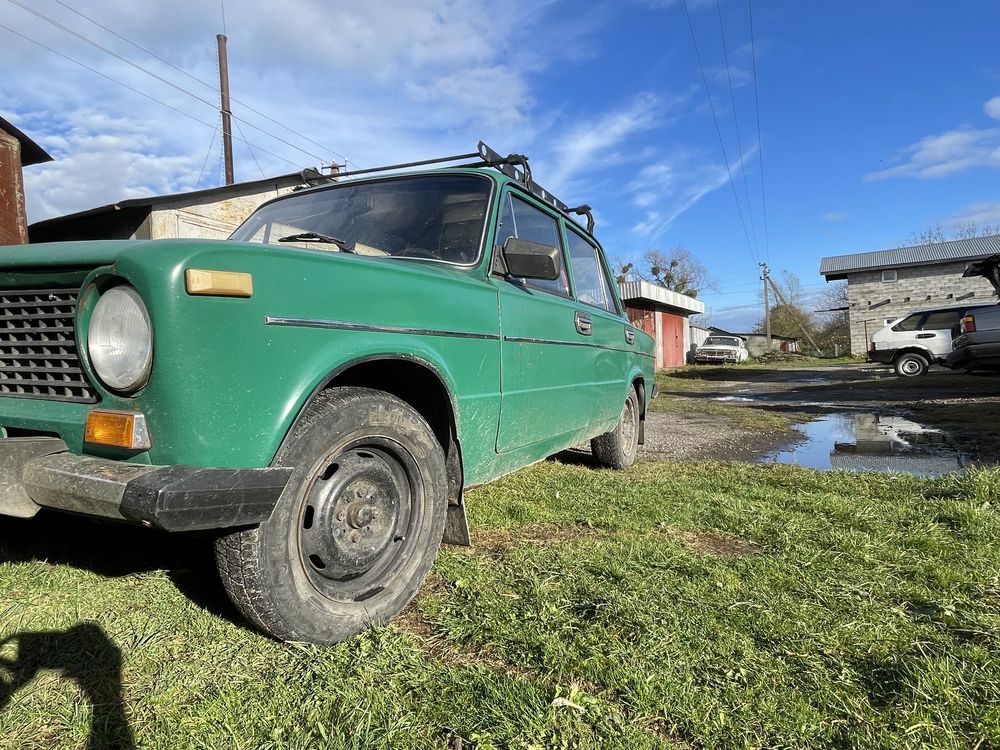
250,150
137,91
760,144
208,153
736,122
194,78
718,130
156,76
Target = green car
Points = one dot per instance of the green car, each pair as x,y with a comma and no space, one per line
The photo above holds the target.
319,390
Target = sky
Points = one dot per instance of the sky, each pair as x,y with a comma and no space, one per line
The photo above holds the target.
876,119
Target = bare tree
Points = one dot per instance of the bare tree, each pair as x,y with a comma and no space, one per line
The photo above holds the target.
622,268
677,270
963,231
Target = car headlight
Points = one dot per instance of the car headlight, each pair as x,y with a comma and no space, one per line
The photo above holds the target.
120,340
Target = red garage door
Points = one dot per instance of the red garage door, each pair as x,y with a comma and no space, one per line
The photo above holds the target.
672,339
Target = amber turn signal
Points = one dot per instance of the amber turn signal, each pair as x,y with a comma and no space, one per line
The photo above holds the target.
218,283
120,429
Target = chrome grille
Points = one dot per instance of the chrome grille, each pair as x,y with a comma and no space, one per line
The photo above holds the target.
38,356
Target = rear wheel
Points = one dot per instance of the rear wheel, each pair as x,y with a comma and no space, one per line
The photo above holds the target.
617,449
911,365
355,531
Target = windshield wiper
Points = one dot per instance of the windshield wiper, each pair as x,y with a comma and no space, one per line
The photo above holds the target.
317,237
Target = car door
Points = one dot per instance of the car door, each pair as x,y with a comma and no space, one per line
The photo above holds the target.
936,331
609,335
545,366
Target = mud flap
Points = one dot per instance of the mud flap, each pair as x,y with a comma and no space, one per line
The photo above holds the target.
456,526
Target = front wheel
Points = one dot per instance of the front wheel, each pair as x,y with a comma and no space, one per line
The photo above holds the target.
911,365
617,449
356,529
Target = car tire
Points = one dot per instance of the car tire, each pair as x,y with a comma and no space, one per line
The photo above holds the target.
910,365
617,449
355,531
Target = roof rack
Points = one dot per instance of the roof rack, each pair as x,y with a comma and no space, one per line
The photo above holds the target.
514,166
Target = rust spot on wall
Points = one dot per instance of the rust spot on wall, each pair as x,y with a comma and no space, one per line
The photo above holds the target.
13,222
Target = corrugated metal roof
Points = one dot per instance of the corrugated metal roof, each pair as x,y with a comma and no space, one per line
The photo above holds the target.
917,255
651,292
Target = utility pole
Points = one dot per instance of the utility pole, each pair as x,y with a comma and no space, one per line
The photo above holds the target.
767,304
791,310
227,115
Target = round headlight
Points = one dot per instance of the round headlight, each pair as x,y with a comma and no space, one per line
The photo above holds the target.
120,339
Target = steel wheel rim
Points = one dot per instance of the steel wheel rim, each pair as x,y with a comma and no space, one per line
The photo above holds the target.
629,429
910,366
359,511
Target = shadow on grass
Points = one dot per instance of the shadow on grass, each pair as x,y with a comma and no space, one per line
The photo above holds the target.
112,550
84,654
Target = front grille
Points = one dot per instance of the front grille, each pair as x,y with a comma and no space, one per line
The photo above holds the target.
38,355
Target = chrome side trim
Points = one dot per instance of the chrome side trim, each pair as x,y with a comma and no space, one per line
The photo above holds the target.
342,325
557,342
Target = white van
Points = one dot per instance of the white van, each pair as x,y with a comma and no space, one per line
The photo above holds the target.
914,342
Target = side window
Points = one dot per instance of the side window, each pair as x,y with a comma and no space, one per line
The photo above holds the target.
524,221
909,323
589,279
943,320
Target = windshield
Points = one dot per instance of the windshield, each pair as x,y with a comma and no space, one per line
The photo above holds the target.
721,341
439,217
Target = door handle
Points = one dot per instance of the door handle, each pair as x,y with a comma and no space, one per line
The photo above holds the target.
584,324
629,335
926,335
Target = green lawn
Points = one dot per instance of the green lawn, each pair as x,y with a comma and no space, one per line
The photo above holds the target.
671,605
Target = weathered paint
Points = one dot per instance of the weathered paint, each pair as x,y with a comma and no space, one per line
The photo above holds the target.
230,375
13,224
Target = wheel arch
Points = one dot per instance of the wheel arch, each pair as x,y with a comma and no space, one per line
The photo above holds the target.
637,381
422,385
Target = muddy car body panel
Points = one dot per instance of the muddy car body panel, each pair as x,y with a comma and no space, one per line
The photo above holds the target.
247,337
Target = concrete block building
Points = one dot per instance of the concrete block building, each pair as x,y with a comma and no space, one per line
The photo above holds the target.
888,284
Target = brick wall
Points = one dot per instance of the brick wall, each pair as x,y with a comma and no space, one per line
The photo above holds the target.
872,300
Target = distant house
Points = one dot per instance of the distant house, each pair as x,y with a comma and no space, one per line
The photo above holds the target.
16,151
662,314
888,284
206,214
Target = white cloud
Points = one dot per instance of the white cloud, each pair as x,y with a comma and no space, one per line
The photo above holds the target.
835,216
981,214
378,82
950,152
677,184
992,108
592,142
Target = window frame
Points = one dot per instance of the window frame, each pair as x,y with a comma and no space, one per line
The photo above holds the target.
510,193
602,269
895,275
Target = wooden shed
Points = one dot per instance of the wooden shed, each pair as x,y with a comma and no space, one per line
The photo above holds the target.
662,314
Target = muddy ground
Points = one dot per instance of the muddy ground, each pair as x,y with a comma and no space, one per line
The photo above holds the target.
963,408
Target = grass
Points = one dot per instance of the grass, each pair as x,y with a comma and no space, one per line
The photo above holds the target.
746,417
671,605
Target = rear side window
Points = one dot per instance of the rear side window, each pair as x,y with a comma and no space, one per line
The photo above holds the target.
943,320
589,279
524,221
909,323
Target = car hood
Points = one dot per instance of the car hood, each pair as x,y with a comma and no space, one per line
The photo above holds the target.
988,268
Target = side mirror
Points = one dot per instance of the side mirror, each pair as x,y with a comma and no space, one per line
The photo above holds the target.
531,260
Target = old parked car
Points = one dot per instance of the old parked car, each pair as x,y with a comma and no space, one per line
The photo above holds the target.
914,342
320,389
721,350
977,345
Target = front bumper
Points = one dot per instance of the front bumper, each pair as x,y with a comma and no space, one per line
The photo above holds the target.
40,473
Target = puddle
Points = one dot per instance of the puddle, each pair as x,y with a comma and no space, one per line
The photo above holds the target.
730,398
872,442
